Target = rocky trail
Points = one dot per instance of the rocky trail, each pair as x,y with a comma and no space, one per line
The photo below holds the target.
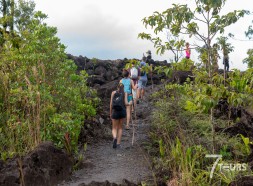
129,165
101,164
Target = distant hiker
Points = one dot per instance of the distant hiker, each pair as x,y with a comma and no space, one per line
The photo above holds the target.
142,82
151,63
226,62
187,51
149,57
128,86
118,113
135,76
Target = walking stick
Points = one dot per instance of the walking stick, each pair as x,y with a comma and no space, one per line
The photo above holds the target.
133,123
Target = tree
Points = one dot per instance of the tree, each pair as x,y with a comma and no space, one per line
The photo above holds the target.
181,20
249,33
226,49
249,59
7,20
41,96
224,45
14,17
4,11
173,44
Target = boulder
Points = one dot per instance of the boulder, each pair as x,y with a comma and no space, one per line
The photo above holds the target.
181,76
89,66
96,79
45,165
100,70
105,90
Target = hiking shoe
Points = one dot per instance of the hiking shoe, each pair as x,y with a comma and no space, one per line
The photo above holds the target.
118,146
114,143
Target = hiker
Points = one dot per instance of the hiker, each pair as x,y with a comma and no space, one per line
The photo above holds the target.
135,76
128,86
151,63
187,51
118,113
226,62
142,82
149,57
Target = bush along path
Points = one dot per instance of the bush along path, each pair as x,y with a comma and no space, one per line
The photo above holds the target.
129,165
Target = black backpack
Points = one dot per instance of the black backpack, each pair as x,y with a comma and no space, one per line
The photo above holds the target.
117,101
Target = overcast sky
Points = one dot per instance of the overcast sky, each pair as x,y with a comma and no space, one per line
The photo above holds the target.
108,29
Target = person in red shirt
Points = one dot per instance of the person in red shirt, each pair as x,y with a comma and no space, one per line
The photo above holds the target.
187,51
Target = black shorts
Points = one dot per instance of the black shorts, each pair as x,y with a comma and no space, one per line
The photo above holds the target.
119,114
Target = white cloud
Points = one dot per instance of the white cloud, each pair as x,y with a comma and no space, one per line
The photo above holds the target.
109,28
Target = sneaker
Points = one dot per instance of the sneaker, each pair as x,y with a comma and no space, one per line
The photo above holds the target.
114,143
138,101
118,146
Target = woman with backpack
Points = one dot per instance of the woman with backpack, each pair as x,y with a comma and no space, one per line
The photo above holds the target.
118,113
128,86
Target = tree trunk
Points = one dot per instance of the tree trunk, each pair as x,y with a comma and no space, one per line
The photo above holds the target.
213,130
224,73
4,14
12,16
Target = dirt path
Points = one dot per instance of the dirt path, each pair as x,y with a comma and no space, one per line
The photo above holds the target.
102,162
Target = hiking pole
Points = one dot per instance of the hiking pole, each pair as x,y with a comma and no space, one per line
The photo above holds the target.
133,123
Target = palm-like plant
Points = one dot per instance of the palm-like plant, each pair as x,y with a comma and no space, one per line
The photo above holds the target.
226,49
224,45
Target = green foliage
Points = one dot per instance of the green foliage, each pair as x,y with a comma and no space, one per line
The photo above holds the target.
182,119
183,65
132,62
224,45
161,147
249,33
163,69
41,97
247,143
249,59
181,20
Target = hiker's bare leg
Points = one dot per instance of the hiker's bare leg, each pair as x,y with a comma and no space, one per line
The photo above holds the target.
135,103
128,113
142,93
114,128
138,93
119,134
